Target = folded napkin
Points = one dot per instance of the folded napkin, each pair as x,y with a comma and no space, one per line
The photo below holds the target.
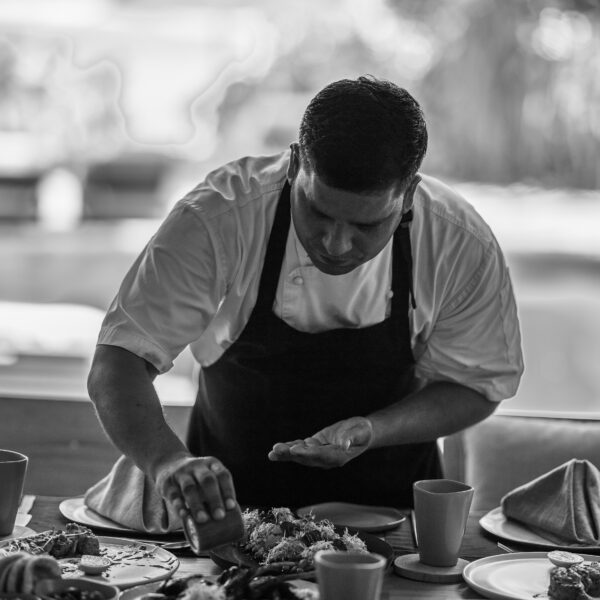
562,505
128,497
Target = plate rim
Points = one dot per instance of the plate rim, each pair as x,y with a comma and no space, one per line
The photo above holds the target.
79,502
489,592
392,524
484,521
103,523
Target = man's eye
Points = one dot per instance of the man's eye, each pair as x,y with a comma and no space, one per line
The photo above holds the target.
320,215
367,226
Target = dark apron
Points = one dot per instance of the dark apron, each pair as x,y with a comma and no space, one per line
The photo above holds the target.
276,384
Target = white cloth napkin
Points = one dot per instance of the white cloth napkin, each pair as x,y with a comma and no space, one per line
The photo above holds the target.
562,505
23,516
128,497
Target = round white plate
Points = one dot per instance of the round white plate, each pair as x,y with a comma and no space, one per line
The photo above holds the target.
517,576
133,563
496,523
75,510
359,516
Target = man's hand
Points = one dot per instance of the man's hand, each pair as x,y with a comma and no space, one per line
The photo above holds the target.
331,447
200,486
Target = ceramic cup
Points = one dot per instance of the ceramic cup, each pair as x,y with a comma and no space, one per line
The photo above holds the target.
13,466
349,575
441,511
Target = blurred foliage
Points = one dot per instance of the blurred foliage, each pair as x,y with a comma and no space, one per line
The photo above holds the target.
71,119
510,88
515,91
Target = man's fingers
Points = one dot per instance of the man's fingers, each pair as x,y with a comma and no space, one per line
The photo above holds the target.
311,441
207,481
202,487
172,494
282,449
225,484
192,496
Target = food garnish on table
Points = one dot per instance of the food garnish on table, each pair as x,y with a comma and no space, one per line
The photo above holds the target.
577,582
282,542
281,545
562,505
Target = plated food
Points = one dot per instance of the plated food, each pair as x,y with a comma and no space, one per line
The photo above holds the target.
577,582
530,575
82,554
74,540
281,542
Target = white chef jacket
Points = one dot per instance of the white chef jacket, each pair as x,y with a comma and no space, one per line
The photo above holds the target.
196,282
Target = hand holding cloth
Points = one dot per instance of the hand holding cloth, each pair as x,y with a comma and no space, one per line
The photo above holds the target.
128,497
562,505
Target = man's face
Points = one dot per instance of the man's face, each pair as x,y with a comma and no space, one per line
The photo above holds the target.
341,230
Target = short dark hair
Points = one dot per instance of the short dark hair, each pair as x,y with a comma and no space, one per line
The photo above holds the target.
363,135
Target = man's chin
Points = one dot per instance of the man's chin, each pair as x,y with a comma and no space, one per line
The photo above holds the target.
331,268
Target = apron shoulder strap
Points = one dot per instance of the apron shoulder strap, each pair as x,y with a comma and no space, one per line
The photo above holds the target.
274,253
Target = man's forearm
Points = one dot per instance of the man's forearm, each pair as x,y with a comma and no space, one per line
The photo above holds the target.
437,410
128,407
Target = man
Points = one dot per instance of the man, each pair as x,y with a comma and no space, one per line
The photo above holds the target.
345,310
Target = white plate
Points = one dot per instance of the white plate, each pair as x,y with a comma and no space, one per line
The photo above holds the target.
134,563
496,523
360,516
75,510
517,576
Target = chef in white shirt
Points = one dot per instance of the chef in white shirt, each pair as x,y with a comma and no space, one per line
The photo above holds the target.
346,311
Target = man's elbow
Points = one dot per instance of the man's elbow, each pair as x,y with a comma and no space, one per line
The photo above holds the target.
97,375
110,367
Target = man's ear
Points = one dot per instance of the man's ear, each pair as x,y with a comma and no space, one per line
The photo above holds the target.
407,201
294,164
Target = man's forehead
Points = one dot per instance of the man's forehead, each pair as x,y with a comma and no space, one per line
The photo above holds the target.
377,204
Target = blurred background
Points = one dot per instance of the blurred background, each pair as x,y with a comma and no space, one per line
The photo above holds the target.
111,110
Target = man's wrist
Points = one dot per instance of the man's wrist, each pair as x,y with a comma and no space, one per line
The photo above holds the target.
160,463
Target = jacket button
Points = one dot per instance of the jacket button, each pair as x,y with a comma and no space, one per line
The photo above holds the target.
298,280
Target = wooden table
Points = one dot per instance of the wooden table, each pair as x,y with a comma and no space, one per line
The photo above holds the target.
476,544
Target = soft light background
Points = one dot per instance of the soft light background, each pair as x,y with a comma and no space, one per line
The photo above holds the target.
110,110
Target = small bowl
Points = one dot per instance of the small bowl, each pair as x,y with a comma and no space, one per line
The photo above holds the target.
45,587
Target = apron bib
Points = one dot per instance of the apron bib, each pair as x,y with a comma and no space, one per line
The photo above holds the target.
276,384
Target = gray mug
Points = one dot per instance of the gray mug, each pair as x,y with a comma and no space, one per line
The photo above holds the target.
13,467
441,511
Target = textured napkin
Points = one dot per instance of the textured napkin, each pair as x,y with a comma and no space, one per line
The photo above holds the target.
562,505
128,497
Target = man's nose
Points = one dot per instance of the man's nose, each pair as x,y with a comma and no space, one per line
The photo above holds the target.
337,241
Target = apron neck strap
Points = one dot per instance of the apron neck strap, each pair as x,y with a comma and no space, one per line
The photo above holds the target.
275,252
